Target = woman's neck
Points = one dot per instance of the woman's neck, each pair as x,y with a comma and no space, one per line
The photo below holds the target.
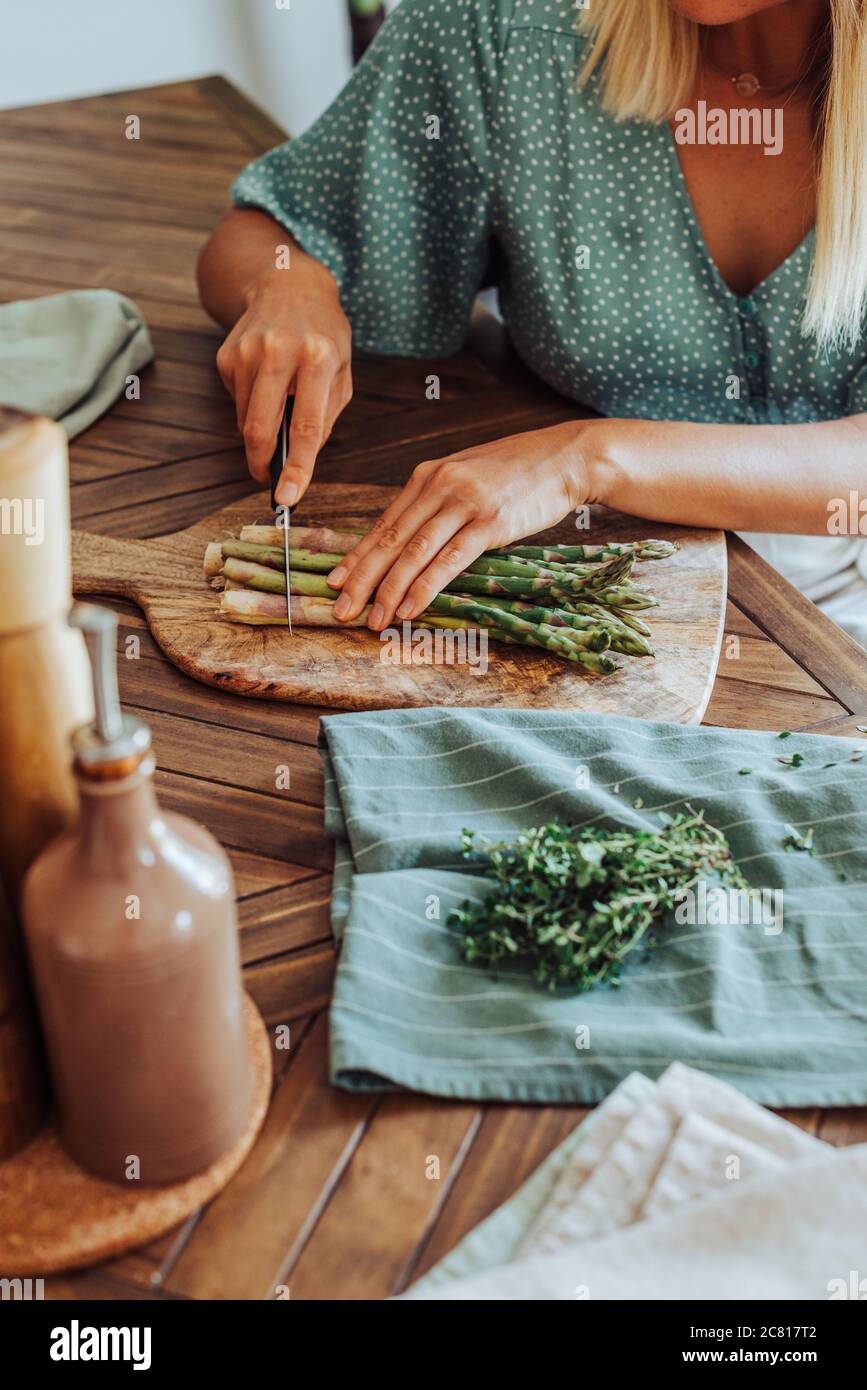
776,44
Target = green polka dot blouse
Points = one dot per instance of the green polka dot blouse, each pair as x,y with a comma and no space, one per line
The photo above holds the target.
460,134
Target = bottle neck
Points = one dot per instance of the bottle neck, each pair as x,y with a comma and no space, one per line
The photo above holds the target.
120,819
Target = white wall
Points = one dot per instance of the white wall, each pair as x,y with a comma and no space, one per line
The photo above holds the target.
291,61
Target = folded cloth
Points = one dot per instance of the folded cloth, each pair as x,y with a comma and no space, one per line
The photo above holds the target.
501,1237
691,1134
776,1005
753,1208
68,356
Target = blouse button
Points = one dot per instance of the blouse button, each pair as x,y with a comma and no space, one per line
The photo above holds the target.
751,359
747,305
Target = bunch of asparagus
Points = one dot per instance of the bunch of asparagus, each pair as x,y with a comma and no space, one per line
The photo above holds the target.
576,601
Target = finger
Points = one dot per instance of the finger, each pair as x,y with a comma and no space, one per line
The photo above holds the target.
225,361
263,416
248,359
463,548
389,520
307,431
338,399
237,385
418,553
382,553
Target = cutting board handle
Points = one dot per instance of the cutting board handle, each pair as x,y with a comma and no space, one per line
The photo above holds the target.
124,568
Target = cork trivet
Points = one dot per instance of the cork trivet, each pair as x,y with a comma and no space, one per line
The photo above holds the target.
54,1216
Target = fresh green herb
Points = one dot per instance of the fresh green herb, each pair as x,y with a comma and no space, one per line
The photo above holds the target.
744,771
787,733
791,759
571,904
793,840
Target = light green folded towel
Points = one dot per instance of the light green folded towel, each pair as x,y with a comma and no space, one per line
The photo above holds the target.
777,1007
68,356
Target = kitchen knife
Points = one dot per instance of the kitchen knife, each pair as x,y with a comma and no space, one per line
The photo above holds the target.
278,462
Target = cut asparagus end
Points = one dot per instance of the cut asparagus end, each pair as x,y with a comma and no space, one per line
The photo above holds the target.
262,609
213,561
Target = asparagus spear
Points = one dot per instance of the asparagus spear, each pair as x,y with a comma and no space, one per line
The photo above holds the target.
312,561
323,538
312,538
625,596
641,550
271,581
513,578
623,638
621,617
568,576
507,617
604,576
248,606
599,663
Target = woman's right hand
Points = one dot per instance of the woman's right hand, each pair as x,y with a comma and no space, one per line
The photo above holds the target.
293,338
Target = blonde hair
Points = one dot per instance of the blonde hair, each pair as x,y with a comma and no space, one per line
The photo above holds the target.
647,56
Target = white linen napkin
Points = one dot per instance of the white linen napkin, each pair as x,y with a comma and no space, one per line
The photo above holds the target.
688,1190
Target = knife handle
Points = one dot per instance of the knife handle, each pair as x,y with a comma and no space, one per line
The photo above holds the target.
279,456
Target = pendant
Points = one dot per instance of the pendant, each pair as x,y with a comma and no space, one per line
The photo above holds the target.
746,84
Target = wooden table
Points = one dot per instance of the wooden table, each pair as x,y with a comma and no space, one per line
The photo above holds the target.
334,1201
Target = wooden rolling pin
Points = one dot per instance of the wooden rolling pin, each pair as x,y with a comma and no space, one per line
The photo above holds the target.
44,694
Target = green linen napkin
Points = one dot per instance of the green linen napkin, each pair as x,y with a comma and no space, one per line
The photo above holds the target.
68,356
776,1006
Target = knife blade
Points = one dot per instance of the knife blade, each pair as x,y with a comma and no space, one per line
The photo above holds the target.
283,514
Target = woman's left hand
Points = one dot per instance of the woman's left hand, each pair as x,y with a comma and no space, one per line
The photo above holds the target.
453,509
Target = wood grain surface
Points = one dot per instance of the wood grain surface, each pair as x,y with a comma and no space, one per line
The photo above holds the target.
346,668
332,1174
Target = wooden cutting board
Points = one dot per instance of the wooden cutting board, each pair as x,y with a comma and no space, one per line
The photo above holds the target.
323,667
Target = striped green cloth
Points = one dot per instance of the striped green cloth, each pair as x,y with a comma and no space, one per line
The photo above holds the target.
777,1006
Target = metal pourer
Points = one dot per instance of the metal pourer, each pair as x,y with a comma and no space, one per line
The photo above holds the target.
115,743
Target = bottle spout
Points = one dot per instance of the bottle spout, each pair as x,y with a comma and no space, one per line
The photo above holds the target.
115,742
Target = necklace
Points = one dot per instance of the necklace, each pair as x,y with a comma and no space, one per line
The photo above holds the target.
746,84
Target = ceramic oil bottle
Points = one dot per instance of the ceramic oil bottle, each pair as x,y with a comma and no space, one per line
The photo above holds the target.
130,925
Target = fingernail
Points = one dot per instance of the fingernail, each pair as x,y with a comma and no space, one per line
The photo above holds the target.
342,606
377,617
337,576
405,609
287,494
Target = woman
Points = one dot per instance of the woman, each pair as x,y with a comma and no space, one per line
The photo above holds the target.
706,296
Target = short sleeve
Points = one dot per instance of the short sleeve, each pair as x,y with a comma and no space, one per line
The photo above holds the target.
392,187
